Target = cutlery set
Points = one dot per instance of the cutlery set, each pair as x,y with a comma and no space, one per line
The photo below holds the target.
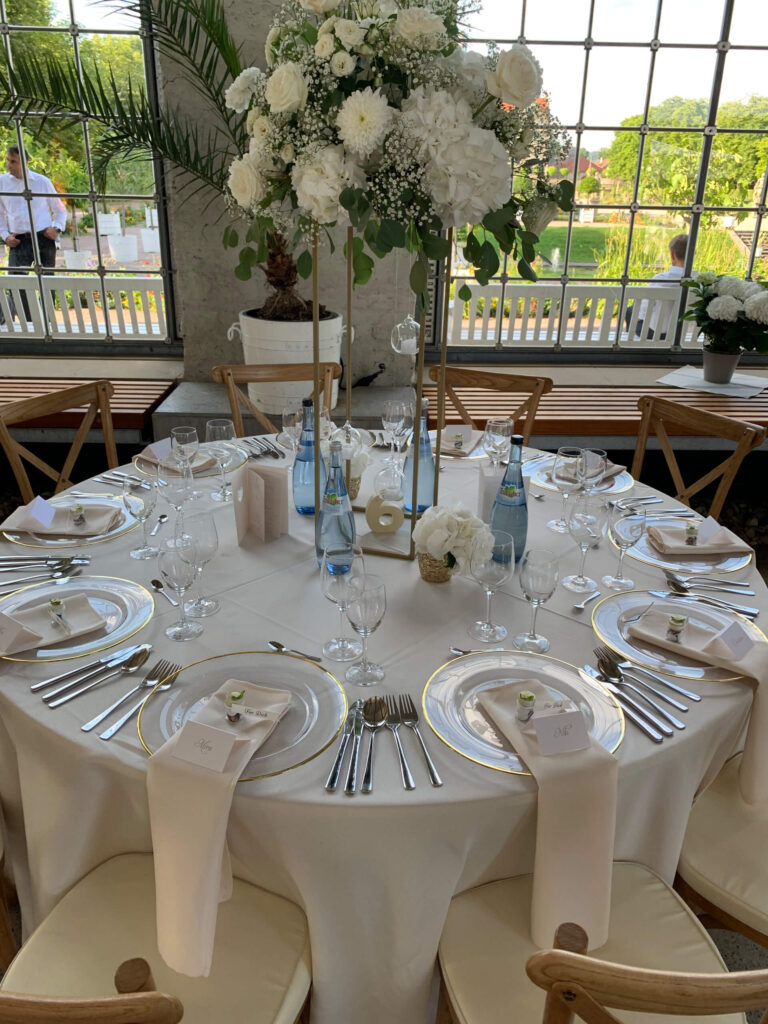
369,716
258,446
59,569
117,479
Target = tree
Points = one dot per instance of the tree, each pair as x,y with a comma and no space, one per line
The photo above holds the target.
589,185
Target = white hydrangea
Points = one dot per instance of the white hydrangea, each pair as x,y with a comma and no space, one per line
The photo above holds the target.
707,277
286,89
324,46
246,182
363,120
434,117
349,32
471,68
756,306
751,288
342,64
456,532
238,95
517,78
469,176
731,286
419,27
725,307
319,179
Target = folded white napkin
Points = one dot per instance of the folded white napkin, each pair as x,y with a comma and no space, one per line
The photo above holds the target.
568,472
200,461
189,810
575,824
40,630
98,519
701,644
670,540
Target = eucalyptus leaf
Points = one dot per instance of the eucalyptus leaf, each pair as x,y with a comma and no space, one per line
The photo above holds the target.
304,264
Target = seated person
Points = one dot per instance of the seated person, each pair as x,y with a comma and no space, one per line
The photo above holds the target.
677,247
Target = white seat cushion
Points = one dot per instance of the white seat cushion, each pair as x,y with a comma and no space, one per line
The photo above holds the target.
486,943
723,856
261,963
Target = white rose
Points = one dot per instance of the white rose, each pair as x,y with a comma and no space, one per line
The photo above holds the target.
245,182
342,64
756,306
327,25
418,27
725,307
319,6
517,78
324,46
287,153
349,32
273,37
258,126
286,89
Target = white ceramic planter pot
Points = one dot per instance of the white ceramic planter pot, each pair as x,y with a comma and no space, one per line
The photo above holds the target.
277,341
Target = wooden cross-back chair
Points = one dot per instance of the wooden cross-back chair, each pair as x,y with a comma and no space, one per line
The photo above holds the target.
583,987
8,947
513,383
95,396
234,375
659,413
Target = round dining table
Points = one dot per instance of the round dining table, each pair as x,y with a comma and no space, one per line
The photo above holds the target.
374,873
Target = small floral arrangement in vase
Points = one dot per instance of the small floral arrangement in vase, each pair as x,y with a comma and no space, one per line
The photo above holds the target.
446,540
732,317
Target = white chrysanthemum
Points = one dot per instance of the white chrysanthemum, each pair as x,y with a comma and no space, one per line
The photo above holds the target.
319,179
246,182
254,115
517,78
258,126
319,6
419,27
725,307
286,89
363,121
349,32
342,64
469,176
238,95
434,116
324,46
756,306
731,286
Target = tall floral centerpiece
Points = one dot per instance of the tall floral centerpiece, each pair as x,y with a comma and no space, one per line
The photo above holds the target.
732,317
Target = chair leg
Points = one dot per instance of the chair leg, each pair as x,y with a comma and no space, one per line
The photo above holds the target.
8,945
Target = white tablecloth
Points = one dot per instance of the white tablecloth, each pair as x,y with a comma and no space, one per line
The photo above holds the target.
373,874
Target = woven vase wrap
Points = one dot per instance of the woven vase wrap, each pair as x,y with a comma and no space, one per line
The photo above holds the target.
354,487
432,570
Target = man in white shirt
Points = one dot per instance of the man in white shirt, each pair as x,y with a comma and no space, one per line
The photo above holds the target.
677,247
49,217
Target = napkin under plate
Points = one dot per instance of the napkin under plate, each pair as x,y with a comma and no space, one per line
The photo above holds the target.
99,519
200,461
40,630
670,540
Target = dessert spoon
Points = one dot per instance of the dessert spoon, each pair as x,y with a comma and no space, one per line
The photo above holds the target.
157,586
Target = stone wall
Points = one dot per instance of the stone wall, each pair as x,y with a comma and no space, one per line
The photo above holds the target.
208,296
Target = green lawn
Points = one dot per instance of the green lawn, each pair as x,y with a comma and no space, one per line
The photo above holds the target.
588,240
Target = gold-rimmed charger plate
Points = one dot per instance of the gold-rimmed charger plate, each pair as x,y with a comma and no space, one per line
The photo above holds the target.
312,722
125,606
125,524
539,474
452,710
644,551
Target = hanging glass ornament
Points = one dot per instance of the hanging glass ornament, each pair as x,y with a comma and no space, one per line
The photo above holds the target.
388,483
405,337
350,439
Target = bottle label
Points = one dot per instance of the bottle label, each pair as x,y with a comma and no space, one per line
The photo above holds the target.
509,491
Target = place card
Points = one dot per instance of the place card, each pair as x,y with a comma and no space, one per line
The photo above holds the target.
160,449
735,639
14,636
708,529
489,481
205,745
260,496
41,510
560,727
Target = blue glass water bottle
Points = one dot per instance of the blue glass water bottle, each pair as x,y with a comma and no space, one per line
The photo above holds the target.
426,491
335,526
510,511
304,464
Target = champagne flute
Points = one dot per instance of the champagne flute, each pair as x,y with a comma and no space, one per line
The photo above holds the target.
200,529
179,574
219,435
391,421
565,477
586,522
590,469
491,569
339,567
625,530
366,604
539,574
140,502
496,440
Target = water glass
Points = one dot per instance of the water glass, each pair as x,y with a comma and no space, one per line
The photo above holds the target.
179,574
496,440
219,438
625,530
366,604
292,420
392,421
140,502
198,543
586,515
403,433
565,477
590,469
340,566
539,573
491,570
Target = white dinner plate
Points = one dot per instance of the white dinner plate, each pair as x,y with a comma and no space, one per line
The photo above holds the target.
315,717
644,551
609,621
451,708
239,458
125,524
539,474
125,606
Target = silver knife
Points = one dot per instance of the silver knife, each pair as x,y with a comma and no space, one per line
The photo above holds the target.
333,779
641,723
742,609
113,669
357,728
110,662
90,667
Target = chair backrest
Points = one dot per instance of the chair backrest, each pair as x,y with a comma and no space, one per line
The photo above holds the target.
659,413
95,396
524,392
578,985
231,376
8,946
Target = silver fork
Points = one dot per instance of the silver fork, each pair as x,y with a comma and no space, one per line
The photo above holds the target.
608,669
110,732
614,659
393,723
159,671
410,718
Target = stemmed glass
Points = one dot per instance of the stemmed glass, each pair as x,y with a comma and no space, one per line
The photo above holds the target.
292,421
565,477
586,523
366,604
174,484
179,573
496,440
539,574
184,443
219,435
402,433
200,530
339,567
491,570
392,421
626,529
590,469
140,502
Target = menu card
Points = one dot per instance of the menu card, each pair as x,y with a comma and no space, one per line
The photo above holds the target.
260,495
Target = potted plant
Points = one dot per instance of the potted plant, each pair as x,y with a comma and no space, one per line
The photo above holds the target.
732,317
446,539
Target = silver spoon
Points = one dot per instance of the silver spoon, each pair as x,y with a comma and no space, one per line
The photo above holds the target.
162,518
135,662
282,649
458,652
57,574
537,495
684,588
708,583
374,717
583,604
157,586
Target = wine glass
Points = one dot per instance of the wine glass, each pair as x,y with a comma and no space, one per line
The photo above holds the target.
590,469
179,574
219,435
625,528
392,420
586,522
174,484
491,569
402,432
496,440
198,543
140,502
565,477
292,420
539,574
366,604
339,567
184,443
